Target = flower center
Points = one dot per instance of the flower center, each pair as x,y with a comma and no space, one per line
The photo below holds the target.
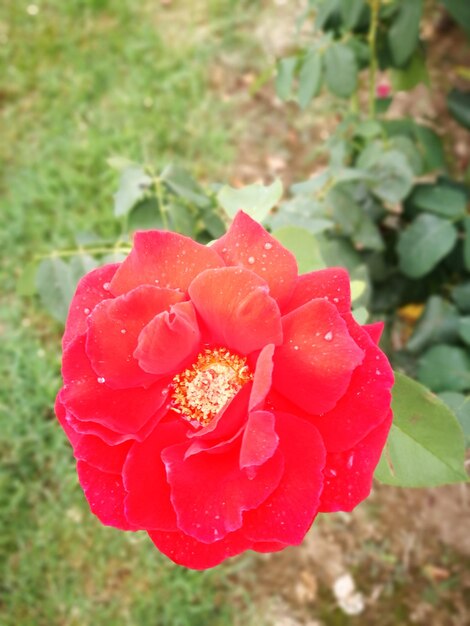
202,390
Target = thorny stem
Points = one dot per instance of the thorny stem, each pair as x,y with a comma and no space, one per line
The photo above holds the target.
372,39
82,250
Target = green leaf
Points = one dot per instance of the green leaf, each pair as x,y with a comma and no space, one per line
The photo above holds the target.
351,12
285,77
133,185
338,253
182,184
464,329
403,34
56,286
440,199
414,73
341,70
256,200
425,446
310,78
404,144
81,264
303,212
303,245
461,296
392,177
458,103
424,243
460,405
466,243
445,368
431,148
361,315
460,10
438,323
145,216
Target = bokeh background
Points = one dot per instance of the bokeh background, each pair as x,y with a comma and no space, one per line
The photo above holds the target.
190,82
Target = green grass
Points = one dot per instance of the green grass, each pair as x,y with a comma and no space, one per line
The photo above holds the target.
84,80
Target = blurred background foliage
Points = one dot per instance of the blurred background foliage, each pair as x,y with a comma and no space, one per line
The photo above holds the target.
121,115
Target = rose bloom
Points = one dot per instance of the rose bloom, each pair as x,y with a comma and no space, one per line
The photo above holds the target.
216,399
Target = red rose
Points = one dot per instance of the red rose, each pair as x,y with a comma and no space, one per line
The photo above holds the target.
216,399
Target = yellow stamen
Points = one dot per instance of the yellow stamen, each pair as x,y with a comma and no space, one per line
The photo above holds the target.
202,390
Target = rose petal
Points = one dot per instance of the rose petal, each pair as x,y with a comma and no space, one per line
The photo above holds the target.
262,379
247,244
91,289
259,441
170,341
331,284
72,435
289,511
348,475
96,452
314,365
121,410
236,308
366,401
105,494
114,328
165,259
148,503
209,497
187,551
375,331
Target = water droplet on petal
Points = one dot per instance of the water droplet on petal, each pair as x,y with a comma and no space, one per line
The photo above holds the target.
123,331
251,260
328,336
268,245
101,380
86,311
296,347
106,286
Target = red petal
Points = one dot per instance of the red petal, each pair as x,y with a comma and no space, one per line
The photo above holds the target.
148,500
92,289
259,441
122,410
114,328
170,341
247,244
375,331
96,452
72,435
348,475
314,365
163,258
268,546
110,437
209,492
105,494
235,305
288,513
262,379
332,284
366,401
187,551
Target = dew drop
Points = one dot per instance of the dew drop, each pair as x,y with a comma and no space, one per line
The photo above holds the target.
336,300
123,331
296,347
251,260
106,286
328,336
86,311
156,281
378,372
101,380
268,246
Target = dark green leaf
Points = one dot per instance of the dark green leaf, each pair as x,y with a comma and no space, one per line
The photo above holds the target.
438,323
391,176
55,285
403,35
182,184
458,103
285,77
431,148
425,446
404,144
466,244
341,70
461,296
414,73
424,243
145,216
445,368
464,329
460,405
310,78
460,10
133,185
338,253
303,245
440,199
81,264
351,12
